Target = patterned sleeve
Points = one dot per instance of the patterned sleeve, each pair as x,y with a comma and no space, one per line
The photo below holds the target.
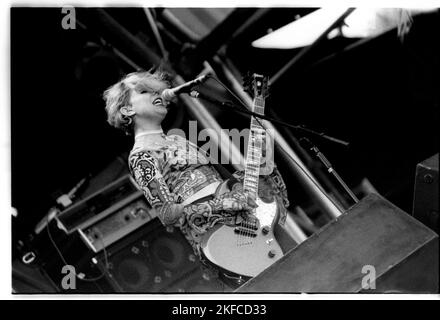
145,170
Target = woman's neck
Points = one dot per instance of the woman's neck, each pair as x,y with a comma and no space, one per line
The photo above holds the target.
143,127
148,130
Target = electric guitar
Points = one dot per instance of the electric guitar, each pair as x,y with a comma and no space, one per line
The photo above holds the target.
247,249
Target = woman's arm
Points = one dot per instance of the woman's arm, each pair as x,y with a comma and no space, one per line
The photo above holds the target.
145,170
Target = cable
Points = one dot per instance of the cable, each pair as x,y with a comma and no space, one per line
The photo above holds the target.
66,263
243,105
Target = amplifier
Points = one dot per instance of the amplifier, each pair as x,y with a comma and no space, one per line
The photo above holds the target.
117,225
426,199
151,259
99,205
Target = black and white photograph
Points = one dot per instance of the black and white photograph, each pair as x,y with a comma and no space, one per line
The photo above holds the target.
223,151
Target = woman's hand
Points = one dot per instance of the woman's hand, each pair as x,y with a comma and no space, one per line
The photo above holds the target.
236,207
236,201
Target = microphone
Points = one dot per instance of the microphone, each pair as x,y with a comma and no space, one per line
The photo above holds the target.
169,94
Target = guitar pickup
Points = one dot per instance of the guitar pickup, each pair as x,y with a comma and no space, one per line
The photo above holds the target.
245,232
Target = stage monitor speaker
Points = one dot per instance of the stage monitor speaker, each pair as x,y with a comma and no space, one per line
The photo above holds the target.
154,259
426,197
198,281
374,247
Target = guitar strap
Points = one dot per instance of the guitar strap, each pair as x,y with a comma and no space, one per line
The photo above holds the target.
225,174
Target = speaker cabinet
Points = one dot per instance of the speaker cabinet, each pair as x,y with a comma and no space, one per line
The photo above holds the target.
152,259
426,197
374,235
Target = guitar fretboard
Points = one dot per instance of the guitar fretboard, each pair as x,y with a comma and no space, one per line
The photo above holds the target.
252,168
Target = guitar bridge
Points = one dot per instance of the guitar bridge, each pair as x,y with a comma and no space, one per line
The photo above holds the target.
247,226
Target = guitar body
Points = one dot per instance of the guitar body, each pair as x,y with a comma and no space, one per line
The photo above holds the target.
249,252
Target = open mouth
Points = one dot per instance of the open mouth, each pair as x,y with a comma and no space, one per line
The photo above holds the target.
159,102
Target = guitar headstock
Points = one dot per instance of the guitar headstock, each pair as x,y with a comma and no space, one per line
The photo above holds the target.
256,85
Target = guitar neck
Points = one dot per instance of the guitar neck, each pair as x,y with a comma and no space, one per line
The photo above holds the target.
252,167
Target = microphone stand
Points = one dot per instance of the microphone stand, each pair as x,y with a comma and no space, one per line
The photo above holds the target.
299,128
303,141
306,144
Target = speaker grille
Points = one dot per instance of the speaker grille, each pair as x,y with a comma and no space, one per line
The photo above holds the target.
151,259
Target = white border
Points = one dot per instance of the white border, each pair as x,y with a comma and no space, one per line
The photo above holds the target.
5,192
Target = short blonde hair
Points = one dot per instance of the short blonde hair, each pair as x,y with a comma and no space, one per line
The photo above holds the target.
118,96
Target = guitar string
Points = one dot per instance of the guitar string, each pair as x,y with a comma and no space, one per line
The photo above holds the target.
251,155
255,154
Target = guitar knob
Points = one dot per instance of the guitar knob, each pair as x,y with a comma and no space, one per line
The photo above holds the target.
271,253
265,230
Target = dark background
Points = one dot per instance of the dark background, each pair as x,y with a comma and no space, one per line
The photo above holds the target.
382,96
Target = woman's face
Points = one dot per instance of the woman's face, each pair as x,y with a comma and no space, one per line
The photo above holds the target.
146,100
